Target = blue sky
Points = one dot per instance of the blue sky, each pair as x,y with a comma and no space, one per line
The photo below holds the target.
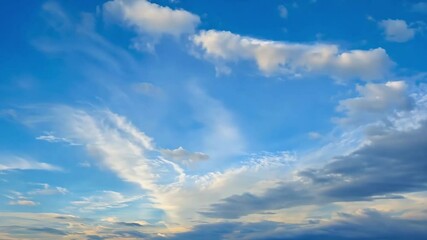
136,119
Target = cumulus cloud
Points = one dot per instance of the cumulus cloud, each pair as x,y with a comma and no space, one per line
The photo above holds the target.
396,30
151,19
11,162
293,58
376,100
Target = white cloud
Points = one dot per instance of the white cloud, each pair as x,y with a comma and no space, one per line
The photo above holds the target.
11,162
48,190
17,198
376,101
150,18
283,11
396,30
184,156
49,137
294,59
255,175
104,200
23,203
109,137
420,7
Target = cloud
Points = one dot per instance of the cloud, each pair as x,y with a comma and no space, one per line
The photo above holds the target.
48,190
183,156
283,11
388,164
294,59
11,162
104,200
23,203
150,19
131,234
420,7
49,137
17,198
20,225
367,224
396,30
147,89
258,173
108,137
376,101
48,230
314,135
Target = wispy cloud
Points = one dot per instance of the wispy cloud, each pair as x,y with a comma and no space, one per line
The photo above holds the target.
46,189
104,200
49,137
19,199
13,162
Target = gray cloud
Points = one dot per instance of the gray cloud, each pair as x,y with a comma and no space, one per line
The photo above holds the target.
183,156
48,230
364,225
390,164
397,30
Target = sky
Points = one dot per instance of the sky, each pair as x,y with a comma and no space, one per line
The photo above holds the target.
226,119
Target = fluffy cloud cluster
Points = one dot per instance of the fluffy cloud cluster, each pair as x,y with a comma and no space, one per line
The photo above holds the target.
293,58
